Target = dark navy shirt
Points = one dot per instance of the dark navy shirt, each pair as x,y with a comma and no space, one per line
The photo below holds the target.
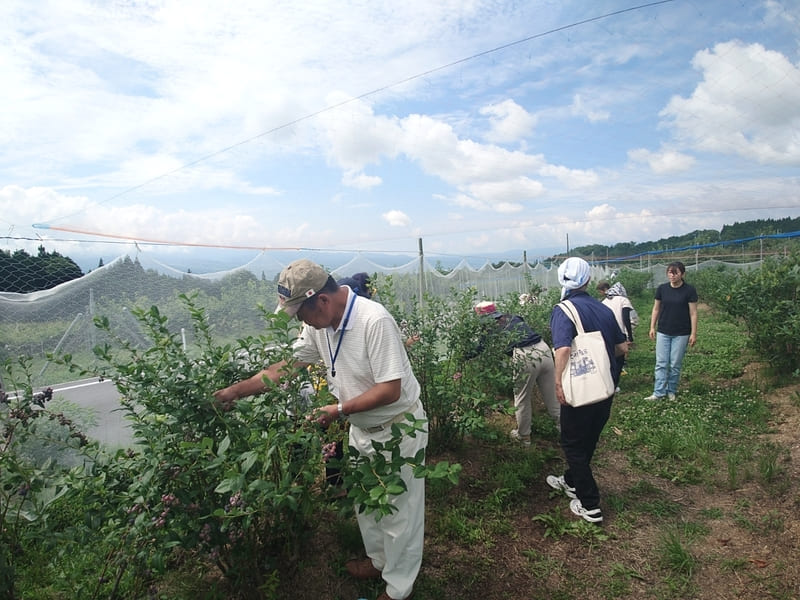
519,332
516,331
673,318
595,316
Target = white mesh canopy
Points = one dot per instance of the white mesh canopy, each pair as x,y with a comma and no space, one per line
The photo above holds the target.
61,319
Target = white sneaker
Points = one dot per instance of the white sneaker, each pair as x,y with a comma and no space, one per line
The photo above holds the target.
654,397
559,483
671,396
593,516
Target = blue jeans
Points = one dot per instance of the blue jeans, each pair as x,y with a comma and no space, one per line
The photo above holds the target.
670,350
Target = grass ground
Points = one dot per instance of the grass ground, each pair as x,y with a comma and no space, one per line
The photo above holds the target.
699,495
503,534
700,498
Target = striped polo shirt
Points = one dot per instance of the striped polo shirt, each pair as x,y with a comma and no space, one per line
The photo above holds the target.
372,351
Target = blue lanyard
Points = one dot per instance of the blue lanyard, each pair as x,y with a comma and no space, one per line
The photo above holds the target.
339,345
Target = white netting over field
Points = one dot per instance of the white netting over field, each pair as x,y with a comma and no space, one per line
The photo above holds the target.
61,319
489,281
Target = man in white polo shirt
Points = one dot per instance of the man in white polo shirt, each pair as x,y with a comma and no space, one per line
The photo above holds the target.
368,370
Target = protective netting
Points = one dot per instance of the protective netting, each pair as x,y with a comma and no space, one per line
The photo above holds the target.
60,319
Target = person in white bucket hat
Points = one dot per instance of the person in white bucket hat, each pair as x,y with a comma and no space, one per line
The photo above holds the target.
581,426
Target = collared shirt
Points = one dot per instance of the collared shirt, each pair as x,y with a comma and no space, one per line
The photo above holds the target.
372,351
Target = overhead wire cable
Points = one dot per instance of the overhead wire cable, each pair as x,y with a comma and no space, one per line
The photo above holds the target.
343,246
361,97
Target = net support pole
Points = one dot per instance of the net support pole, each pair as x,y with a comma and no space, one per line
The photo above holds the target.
58,345
421,273
92,329
527,278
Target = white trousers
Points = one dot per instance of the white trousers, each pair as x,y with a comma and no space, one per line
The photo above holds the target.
395,542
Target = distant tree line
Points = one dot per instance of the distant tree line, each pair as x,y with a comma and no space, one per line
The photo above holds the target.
737,231
20,272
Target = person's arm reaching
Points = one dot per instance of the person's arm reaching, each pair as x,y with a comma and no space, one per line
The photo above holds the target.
226,397
378,395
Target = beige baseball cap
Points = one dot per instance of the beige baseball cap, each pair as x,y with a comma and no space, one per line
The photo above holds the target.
298,282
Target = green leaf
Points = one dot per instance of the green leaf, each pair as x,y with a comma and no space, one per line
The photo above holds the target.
248,459
395,489
226,485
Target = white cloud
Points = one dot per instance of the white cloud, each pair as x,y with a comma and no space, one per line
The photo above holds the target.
365,138
460,161
356,137
571,178
479,241
777,11
467,201
246,122
662,163
37,205
748,104
396,218
502,196
509,122
361,181
602,212
579,108
142,222
489,177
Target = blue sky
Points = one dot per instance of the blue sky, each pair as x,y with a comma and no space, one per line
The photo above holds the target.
478,125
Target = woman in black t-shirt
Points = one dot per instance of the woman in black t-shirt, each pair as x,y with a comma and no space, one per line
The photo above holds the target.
673,325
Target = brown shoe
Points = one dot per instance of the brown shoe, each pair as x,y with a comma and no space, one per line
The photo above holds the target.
362,569
385,596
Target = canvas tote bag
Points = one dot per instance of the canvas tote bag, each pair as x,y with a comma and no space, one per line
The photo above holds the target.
588,377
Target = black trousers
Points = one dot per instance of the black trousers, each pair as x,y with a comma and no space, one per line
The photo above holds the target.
580,430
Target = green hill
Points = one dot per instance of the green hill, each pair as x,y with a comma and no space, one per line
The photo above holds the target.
767,235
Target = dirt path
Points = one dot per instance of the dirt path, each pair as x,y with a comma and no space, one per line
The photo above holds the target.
747,546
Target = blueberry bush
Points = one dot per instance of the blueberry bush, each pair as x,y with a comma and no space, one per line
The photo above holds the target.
237,490
767,302
38,446
764,301
460,360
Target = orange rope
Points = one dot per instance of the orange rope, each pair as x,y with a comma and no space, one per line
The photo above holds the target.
166,242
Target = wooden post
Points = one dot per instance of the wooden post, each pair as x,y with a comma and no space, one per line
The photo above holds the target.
421,274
